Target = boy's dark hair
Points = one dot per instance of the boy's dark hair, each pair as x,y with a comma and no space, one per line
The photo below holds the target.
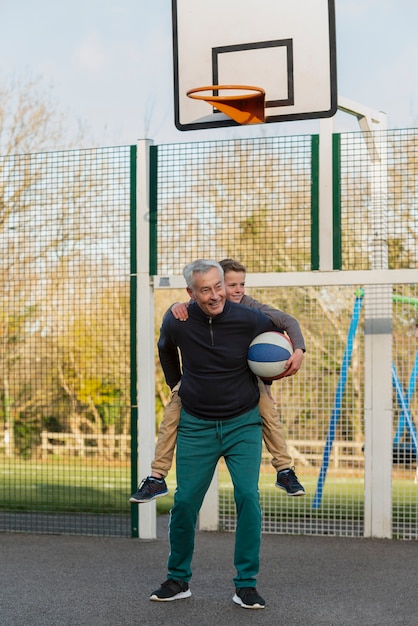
230,265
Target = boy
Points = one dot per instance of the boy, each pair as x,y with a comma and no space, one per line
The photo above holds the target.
154,486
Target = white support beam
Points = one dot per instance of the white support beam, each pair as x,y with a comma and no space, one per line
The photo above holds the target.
378,412
378,334
145,341
305,279
375,120
325,195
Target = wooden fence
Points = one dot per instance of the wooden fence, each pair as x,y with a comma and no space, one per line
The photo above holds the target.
307,453
111,447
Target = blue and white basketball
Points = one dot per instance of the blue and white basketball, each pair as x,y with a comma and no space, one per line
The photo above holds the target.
268,353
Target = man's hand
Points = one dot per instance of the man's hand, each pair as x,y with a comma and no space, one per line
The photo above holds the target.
179,310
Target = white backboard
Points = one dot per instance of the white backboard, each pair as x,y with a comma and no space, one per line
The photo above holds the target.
287,47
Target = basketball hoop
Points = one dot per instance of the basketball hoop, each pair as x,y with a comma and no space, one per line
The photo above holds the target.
248,108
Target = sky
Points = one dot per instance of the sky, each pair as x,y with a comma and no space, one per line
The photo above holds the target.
108,64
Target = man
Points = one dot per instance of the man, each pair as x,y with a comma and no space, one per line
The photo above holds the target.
219,417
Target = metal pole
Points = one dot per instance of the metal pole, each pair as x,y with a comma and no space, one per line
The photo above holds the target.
145,340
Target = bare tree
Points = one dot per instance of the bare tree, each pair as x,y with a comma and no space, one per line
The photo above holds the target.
31,120
42,224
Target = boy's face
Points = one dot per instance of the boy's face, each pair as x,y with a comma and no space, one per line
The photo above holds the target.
234,286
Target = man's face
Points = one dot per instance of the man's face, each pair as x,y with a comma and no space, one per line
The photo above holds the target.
209,292
234,286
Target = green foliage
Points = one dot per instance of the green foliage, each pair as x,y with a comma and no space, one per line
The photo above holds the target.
104,396
26,436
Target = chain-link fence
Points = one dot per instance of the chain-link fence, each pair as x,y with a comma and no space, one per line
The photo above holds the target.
64,333
68,323
258,200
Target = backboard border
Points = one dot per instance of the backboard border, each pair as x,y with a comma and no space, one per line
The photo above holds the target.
271,119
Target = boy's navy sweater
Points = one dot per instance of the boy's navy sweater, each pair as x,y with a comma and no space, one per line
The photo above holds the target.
216,382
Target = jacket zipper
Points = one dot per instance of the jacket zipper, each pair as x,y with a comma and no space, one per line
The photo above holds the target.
211,332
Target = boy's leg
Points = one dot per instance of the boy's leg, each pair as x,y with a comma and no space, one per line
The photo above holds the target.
273,431
154,486
167,435
276,445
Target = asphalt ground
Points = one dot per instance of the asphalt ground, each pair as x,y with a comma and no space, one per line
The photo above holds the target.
305,580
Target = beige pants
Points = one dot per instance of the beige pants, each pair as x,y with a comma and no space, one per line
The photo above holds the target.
272,433
167,435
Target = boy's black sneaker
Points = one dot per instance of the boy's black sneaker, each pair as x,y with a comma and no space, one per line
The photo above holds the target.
149,489
249,598
288,481
171,590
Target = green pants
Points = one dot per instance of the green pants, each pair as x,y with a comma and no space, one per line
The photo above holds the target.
200,444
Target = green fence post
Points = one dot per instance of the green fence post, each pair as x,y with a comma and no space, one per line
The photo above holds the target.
153,188
133,341
315,202
336,203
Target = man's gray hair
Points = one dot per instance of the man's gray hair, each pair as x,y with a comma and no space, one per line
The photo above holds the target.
200,266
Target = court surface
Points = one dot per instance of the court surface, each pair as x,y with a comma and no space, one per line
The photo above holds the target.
84,581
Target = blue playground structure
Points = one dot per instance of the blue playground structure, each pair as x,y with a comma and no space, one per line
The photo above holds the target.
401,452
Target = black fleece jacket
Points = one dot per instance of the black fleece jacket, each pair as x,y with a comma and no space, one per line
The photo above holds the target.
209,355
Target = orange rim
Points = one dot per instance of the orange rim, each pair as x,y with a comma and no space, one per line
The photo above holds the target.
193,93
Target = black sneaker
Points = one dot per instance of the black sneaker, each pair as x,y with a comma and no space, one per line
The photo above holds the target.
249,598
171,590
288,481
149,489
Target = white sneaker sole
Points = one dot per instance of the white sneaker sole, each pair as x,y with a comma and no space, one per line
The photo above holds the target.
132,500
297,493
238,600
178,596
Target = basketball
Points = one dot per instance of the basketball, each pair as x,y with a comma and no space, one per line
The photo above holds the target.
268,353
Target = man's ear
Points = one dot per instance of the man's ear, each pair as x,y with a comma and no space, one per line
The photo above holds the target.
190,292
